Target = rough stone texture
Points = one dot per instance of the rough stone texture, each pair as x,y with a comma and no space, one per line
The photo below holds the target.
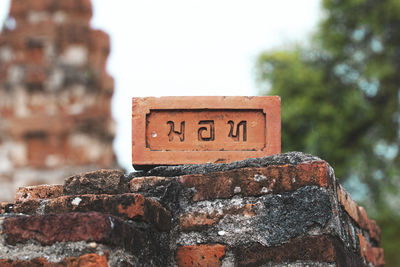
55,94
276,219
127,206
96,182
245,181
274,215
290,215
38,192
292,158
256,181
265,205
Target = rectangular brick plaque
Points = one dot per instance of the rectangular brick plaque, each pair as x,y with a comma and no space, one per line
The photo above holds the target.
195,130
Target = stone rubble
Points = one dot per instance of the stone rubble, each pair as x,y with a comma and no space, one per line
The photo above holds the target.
305,218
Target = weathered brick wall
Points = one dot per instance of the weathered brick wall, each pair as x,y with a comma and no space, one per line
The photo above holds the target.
284,210
55,94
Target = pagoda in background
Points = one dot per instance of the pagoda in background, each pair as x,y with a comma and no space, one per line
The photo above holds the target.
55,94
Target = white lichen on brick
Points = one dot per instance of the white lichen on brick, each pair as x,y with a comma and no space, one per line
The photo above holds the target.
264,190
76,201
111,222
237,189
259,177
42,207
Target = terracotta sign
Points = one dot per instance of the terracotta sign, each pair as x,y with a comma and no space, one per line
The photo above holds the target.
194,130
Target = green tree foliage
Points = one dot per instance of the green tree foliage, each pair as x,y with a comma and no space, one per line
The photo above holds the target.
340,101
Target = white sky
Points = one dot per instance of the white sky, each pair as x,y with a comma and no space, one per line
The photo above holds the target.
190,47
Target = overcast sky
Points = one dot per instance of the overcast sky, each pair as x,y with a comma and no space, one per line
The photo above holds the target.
191,47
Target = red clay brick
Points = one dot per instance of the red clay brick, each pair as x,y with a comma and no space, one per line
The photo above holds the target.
378,256
363,218
18,8
82,6
87,260
201,255
100,48
73,227
21,8
363,245
197,220
127,206
35,75
38,192
349,205
371,254
358,214
257,181
192,130
374,231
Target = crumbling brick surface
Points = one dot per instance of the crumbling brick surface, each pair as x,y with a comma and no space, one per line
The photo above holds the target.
283,209
96,182
200,255
199,219
200,215
87,260
38,192
292,158
48,229
127,206
310,248
358,214
256,181
55,94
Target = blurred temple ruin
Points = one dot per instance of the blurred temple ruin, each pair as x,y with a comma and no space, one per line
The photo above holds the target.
55,94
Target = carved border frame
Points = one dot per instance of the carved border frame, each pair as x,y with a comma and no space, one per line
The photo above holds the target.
143,157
